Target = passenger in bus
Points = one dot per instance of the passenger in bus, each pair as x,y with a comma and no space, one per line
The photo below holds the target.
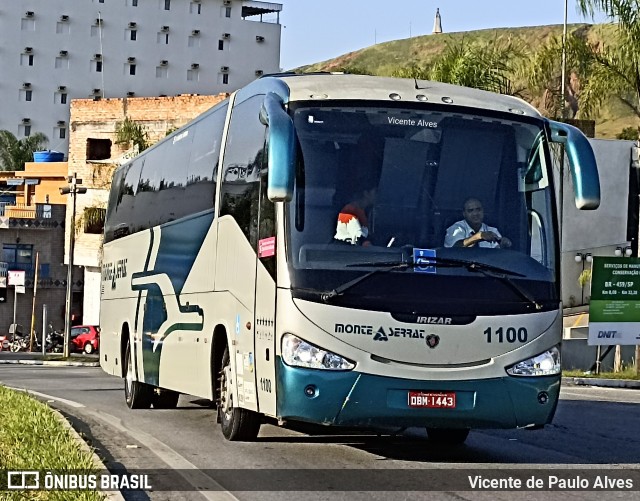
472,231
353,222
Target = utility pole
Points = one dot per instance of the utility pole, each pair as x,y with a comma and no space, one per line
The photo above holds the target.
73,189
564,62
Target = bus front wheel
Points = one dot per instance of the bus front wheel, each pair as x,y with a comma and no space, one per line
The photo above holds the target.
236,423
137,394
450,436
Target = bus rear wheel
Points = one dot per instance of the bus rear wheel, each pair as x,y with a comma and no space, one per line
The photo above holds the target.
449,436
237,424
137,394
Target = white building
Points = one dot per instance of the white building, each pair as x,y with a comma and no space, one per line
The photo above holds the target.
55,50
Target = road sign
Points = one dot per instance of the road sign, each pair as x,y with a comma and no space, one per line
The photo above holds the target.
614,310
3,282
15,277
20,289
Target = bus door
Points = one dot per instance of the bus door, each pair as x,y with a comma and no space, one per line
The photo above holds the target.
265,305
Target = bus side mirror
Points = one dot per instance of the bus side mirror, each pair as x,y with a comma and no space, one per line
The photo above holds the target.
582,161
281,148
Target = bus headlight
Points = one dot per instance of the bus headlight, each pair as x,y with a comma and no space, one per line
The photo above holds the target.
299,353
544,364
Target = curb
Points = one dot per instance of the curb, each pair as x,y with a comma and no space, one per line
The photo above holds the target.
54,363
110,495
607,383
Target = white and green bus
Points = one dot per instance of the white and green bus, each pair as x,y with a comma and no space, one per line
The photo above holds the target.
223,277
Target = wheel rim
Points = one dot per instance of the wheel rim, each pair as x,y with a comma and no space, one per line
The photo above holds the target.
225,394
129,377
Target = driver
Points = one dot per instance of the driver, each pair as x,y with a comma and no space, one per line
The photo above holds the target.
472,231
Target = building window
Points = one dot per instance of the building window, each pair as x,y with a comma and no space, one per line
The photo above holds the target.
132,69
63,133
26,130
26,60
162,72
163,38
99,66
220,44
63,98
28,95
98,149
62,63
227,12
134,3
225,78
193,75
167,4
100,1
134,35
18,256
194,41
63,28
195,8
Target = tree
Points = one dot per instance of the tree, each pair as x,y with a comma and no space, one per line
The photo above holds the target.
128,132
616,68
543,73
15,152
483,65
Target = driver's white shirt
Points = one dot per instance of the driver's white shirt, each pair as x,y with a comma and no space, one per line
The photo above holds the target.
461,230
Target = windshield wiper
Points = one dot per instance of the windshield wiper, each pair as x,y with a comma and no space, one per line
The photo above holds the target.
472,266
384,267
488,271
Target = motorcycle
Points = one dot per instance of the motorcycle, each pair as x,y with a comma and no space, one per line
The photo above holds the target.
54,341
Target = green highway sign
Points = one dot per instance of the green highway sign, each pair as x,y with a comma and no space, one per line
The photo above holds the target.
614,310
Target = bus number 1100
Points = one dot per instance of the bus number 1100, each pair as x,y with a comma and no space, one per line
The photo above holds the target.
510,335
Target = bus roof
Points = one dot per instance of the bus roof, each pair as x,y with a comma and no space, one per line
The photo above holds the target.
321,86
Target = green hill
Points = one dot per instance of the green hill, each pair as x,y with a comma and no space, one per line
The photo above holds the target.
384,58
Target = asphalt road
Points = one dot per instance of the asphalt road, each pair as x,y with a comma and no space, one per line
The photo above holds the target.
595,432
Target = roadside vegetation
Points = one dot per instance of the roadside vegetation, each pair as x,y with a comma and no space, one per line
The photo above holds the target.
33,438
626,373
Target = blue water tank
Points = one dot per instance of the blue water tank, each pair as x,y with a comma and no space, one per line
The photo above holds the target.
48,156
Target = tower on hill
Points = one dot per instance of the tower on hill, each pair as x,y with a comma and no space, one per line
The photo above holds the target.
437,23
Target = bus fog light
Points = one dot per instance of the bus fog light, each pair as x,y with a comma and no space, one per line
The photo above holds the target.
544,364
299,353
311,390
543,397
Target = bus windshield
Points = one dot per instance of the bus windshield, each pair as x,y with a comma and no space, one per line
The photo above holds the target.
386,184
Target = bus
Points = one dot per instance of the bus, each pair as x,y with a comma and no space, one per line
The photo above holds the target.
225,276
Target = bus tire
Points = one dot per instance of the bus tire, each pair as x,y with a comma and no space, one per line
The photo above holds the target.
237,424
165,399
449,436
137,394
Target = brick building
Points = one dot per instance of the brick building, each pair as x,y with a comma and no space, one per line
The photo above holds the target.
94,155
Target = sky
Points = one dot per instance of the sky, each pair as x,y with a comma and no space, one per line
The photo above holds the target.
317,30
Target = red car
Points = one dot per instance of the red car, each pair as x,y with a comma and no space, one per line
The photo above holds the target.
85,338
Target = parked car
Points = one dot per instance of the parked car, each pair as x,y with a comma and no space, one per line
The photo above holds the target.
85,338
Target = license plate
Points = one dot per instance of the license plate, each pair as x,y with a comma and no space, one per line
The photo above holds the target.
432,400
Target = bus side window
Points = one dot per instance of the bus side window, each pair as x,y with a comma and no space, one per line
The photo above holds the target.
243,162
202,170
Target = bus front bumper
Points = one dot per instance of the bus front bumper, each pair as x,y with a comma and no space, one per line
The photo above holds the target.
348,398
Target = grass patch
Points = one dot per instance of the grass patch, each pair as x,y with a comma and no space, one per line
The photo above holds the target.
627,373
33,438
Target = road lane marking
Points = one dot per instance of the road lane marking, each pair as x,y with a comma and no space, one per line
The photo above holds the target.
70,403
185,468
